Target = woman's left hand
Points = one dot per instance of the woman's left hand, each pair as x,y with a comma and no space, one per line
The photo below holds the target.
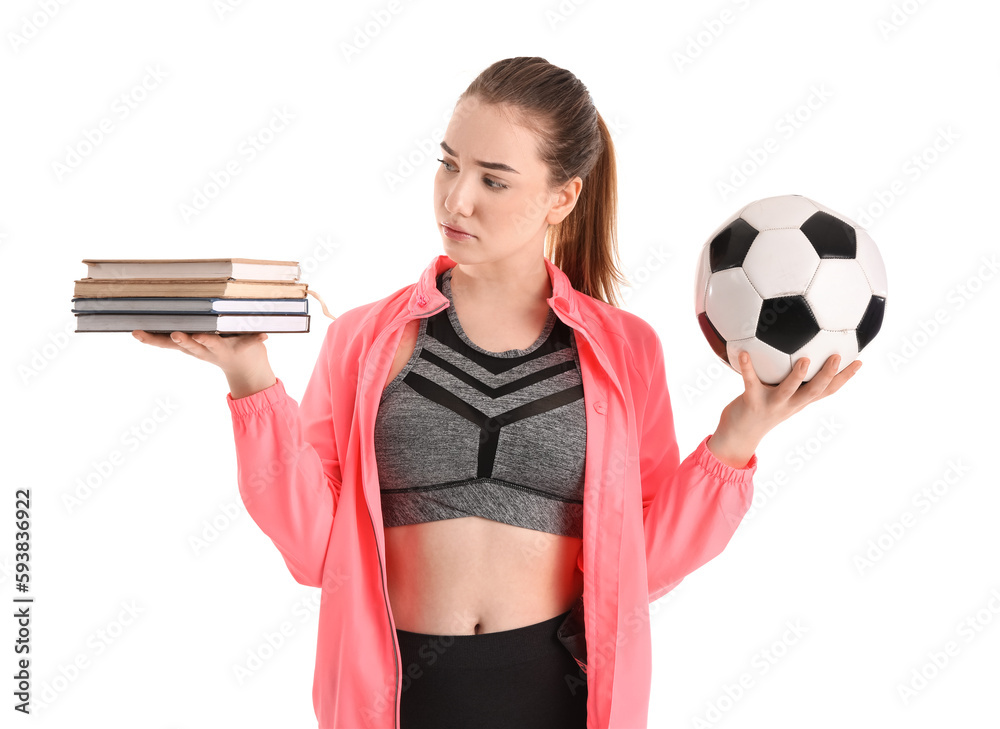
746,420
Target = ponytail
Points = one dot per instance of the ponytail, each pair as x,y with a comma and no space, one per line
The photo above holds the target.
584,245
573,141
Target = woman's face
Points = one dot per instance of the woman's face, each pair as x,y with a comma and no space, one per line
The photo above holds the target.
507,209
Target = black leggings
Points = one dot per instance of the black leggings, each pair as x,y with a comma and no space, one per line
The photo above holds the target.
524,678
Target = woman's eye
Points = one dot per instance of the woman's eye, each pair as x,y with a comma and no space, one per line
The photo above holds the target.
493,184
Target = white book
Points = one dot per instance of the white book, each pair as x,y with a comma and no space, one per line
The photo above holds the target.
238,268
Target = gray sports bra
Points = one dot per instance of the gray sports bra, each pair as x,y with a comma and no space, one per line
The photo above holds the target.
502,435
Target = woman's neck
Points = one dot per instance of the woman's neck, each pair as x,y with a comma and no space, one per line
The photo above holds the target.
495,288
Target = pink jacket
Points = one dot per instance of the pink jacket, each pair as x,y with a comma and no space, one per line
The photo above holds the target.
308,477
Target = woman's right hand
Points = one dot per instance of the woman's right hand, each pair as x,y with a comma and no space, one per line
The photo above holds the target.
243,358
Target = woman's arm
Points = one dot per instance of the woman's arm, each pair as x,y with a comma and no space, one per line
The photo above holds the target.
289,471
748,418
287,459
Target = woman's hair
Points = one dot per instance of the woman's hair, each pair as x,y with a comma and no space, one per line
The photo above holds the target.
573,140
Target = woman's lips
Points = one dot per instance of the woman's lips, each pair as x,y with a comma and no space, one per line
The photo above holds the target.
455,234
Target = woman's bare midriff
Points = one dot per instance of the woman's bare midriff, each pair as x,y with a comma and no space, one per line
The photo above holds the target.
473,575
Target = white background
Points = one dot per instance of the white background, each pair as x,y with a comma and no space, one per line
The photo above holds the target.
686,105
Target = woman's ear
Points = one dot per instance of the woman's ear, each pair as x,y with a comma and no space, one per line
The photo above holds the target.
565,201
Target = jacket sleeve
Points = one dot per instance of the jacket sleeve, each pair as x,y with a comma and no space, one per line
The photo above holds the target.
690,509
288,467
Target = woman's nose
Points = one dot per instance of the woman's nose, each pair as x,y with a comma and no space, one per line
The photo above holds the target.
458,201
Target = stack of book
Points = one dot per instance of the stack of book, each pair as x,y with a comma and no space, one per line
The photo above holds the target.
216,295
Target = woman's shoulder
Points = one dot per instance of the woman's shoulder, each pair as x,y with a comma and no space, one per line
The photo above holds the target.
614,320
628,330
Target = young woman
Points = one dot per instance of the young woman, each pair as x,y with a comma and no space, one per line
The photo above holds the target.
483,474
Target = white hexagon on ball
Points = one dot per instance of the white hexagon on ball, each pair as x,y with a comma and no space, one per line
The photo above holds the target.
872,263
839,294
780,263
782,211
732,304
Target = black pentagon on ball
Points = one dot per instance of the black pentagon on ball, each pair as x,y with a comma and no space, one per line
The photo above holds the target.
830,236
871,322
714,338
786,323
730,246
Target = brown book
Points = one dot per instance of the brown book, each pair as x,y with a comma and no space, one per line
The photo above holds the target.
89,288
251,269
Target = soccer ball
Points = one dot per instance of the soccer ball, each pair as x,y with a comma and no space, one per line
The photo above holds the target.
784,278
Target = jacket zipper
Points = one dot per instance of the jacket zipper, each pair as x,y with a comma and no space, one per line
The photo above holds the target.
385,594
